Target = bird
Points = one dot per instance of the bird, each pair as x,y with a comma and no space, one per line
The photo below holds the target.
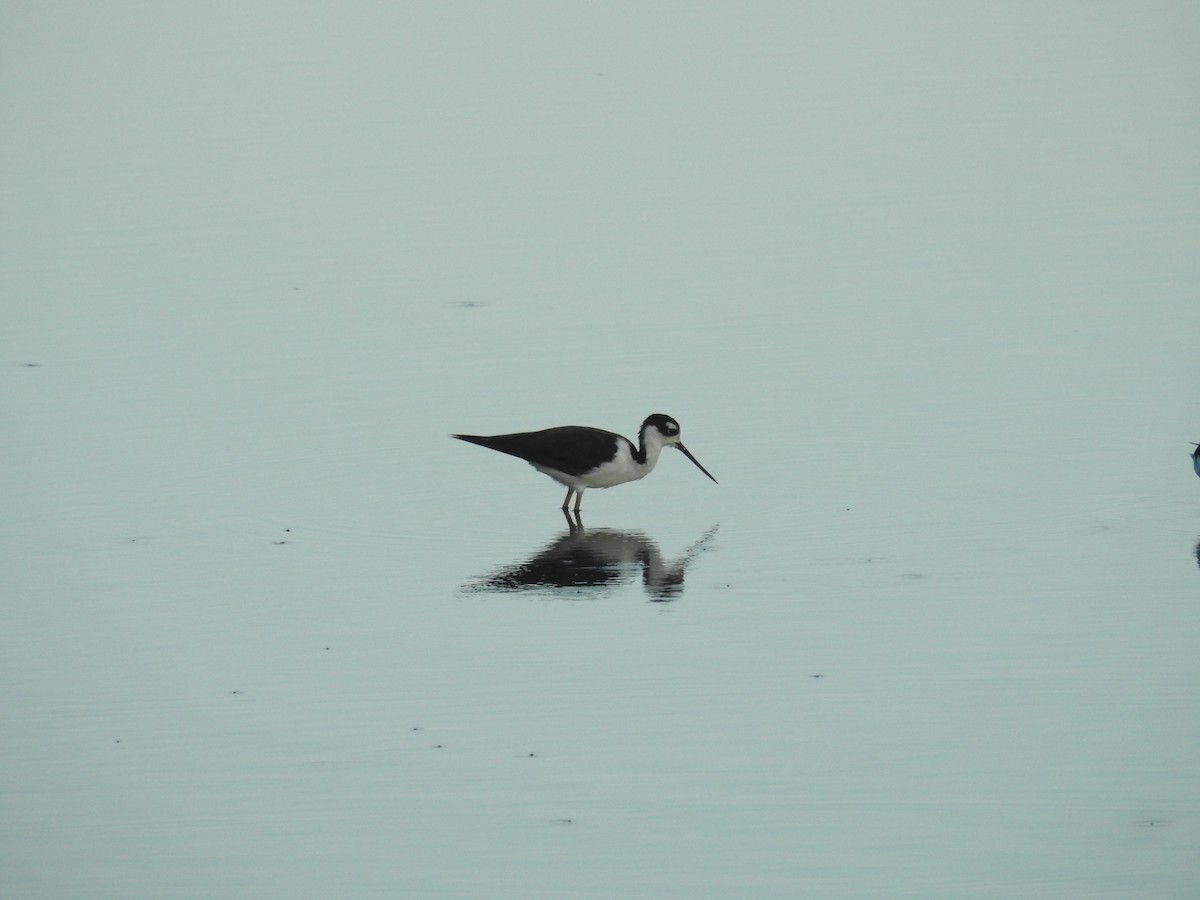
580,458
1196,458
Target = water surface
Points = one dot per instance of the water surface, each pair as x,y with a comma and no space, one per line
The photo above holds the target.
918,284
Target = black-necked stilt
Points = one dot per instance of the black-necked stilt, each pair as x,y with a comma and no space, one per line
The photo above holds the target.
583,458
1196,458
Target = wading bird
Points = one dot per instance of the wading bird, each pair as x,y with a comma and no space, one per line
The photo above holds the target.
580,458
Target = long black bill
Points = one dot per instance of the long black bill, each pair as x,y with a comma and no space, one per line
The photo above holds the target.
688,454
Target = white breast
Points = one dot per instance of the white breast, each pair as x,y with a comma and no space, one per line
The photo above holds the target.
620,470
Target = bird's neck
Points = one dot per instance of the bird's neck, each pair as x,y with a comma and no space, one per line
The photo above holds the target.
647,451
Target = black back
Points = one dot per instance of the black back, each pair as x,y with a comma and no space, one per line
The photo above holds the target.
572,449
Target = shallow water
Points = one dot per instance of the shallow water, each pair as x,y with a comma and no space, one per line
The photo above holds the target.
918,286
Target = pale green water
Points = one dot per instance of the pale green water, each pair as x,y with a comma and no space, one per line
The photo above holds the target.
919,286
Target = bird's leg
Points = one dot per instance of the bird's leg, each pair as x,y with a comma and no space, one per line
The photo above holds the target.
567,501
578,500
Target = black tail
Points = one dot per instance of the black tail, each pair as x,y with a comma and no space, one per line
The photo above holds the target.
472,439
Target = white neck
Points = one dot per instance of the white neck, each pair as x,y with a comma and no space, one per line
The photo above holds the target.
653,442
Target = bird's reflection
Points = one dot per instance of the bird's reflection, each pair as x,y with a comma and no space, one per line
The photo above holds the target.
586,562
1197,551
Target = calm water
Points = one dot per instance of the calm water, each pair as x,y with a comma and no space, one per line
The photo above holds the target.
919,287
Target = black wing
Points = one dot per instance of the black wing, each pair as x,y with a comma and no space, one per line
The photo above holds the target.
571,449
